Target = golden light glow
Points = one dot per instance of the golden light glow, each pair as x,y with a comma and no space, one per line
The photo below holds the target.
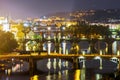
77,75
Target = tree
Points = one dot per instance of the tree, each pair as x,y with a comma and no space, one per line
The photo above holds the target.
88,30
7,42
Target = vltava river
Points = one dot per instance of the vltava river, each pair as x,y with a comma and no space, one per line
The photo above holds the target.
79,74
57,69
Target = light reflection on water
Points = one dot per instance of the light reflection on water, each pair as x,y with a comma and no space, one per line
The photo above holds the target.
61,75
79,74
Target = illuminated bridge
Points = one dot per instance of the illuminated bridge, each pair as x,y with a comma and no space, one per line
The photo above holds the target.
62,56
76,59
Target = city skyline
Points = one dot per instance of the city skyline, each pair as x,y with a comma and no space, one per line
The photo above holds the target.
37,8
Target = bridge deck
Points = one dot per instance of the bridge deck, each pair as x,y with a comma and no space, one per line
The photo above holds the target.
57,56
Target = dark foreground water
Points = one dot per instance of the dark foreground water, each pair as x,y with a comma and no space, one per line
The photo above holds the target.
57,69
78,74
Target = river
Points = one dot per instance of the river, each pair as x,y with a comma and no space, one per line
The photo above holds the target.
54,71
61,75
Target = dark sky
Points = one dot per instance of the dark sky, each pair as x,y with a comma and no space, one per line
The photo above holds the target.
36,8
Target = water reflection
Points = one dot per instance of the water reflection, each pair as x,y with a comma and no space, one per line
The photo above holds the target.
57,72
98,76
49,64
35,77
59,63
48,77
54,64
59,75
8,71
83,74
79,74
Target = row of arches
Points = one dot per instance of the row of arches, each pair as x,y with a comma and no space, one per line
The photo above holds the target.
74,47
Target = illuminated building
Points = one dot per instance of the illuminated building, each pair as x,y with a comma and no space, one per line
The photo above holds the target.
5,24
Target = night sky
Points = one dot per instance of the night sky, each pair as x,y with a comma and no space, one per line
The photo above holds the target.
37,8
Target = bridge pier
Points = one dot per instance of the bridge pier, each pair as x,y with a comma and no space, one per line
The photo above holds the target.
92,46
32,66
109,42
75,63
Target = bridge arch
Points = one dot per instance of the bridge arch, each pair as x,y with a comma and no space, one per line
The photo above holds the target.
31,46
45,46
116,47
84,46
101,46
114,59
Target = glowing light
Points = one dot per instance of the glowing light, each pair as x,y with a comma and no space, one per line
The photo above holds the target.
100,52
25,24
97,57
49,64
98,76
81,57
68,24
49,47
35,77
17,67
77,74
54,63
49,28
118,53
83,52
6,27
64,47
